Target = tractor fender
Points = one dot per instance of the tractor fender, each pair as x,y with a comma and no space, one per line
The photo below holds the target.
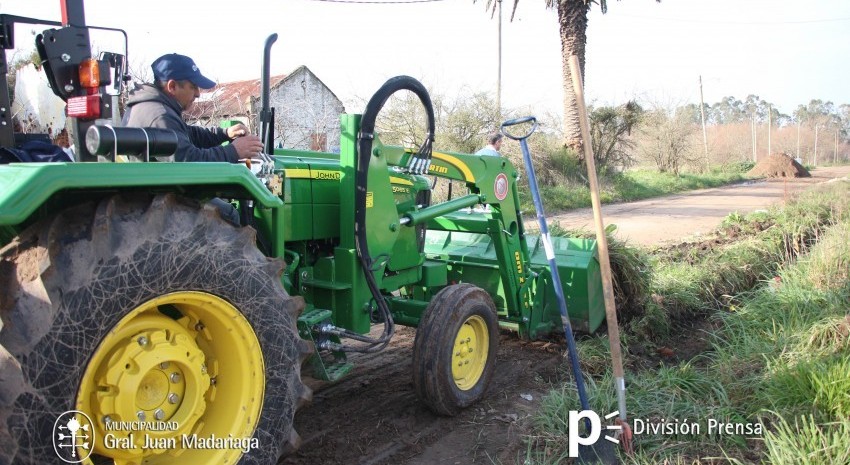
24,187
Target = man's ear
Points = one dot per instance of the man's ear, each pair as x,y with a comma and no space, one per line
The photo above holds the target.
171,86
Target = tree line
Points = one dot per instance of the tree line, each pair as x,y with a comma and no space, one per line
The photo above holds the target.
665,136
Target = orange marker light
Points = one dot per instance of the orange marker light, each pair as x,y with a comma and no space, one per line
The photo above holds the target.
90,73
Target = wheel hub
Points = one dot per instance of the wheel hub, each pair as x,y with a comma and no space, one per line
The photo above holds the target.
469,356
197,371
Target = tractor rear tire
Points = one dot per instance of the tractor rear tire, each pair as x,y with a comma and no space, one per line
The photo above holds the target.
454,353
74,286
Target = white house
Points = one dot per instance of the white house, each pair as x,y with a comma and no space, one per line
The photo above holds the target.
306,110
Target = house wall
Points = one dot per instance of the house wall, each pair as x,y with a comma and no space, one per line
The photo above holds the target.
306,113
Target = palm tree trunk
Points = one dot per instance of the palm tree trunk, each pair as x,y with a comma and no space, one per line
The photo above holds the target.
572,17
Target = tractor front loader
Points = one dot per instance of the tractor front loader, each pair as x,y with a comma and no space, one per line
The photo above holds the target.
140,327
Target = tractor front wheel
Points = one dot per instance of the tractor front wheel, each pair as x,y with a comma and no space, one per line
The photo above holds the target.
159,323
454,353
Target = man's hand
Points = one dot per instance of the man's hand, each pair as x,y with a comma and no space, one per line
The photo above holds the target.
247,146
237,130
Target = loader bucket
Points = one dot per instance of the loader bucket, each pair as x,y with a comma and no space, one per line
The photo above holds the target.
473,258
578,265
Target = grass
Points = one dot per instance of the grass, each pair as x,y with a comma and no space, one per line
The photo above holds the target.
702,277
776,286
807,442
625,187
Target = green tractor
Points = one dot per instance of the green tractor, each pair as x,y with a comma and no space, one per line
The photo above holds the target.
140,327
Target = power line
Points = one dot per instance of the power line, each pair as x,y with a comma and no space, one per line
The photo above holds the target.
743,23
376,2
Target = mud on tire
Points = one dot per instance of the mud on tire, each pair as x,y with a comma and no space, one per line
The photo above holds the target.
68,280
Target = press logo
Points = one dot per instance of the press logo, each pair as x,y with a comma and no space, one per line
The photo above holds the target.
73,436
594,429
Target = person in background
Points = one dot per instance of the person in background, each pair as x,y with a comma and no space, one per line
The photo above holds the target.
177,83
494,144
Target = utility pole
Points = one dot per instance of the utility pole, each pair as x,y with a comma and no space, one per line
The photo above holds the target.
798,138
769,123
499,75
835,153
816,145
702,117
755,140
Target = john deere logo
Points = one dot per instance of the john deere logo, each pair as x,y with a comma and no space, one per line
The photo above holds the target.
73,436
500,187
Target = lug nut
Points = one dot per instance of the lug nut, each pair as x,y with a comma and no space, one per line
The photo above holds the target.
199,326
143,341
140,415
107,419
175,377
159,414
213,381
173,398
164,365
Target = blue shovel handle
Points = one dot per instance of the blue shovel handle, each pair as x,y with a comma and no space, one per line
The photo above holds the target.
514,122
550,253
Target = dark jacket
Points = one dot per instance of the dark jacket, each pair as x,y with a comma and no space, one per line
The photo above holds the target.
150,107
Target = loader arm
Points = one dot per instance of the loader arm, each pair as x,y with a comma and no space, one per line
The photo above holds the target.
490,181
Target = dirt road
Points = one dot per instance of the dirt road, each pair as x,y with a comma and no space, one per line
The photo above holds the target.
674,217
373,417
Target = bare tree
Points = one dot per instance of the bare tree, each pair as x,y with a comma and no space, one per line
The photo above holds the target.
667,138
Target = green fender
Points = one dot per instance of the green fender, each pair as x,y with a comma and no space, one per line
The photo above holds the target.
24,187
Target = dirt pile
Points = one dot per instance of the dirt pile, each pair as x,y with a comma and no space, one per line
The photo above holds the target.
779,165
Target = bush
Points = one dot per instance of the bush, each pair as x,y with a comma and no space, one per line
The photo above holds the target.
735,167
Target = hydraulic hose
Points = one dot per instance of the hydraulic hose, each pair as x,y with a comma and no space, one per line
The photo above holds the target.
418,164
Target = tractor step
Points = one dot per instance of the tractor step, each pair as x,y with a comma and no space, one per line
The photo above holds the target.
328,366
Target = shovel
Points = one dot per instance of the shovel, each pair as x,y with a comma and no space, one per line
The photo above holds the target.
601,451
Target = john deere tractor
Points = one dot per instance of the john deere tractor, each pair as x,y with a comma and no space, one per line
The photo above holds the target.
138,326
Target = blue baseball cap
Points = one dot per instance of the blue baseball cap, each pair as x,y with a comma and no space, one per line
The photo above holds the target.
179,68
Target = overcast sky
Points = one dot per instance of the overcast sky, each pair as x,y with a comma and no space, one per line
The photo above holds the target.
787,52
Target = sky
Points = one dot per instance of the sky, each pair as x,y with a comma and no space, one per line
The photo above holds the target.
787,52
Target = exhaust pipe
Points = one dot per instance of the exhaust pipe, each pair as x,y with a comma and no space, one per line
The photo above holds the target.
266,113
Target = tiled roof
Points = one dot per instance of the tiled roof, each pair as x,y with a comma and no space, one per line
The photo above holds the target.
229,99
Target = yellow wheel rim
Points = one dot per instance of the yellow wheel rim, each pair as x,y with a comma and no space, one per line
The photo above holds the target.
176,373
469,354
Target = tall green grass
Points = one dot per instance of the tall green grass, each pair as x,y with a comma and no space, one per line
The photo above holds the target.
748,249
807,442
780,358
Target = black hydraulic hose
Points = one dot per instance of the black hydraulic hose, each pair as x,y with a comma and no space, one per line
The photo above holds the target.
418,164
